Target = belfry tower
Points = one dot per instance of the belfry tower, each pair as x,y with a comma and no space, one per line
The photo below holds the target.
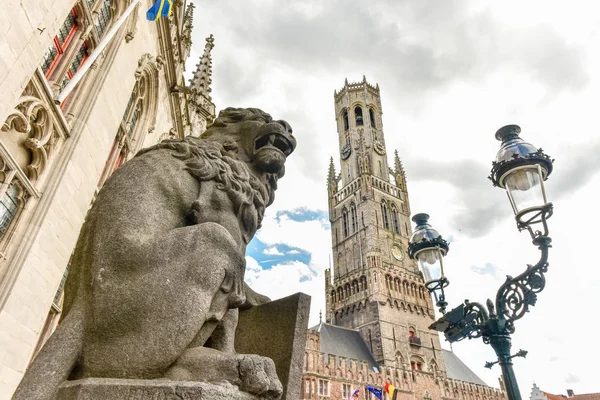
374,287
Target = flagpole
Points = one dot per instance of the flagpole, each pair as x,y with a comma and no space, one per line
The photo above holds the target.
97,50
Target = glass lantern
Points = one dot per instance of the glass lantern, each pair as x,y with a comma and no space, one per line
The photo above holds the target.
521,170
428,248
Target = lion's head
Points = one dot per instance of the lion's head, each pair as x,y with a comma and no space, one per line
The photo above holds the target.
244,150
257,139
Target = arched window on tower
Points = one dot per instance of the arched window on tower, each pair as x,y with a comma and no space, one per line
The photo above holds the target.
345,118
384,215
345,221
353,216
358,115
395,222
372,117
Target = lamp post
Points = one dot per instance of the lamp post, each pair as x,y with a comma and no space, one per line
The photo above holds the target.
521,170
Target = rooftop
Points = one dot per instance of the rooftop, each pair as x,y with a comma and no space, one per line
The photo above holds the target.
344,342
456,369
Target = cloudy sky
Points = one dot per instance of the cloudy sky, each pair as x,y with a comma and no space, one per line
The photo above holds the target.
451,73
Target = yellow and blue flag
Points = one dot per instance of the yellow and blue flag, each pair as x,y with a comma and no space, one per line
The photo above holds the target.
160,8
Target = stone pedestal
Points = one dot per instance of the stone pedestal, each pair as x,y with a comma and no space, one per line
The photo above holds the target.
276,329
140,389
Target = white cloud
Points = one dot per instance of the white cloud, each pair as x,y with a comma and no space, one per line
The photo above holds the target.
272,251
283,280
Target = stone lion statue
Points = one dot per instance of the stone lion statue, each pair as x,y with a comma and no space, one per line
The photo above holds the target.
157,275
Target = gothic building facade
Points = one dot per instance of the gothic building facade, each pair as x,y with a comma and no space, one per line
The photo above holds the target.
377,308
55,157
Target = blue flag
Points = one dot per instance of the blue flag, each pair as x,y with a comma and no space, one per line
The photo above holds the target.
160,8
377,392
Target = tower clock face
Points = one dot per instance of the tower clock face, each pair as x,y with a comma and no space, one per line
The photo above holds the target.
379,148
346,150
397,252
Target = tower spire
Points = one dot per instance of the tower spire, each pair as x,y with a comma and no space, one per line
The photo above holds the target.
331,173
398,167
200,82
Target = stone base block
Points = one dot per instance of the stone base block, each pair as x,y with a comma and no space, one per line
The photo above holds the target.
141,389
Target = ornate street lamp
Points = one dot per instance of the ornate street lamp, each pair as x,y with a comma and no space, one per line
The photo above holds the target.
428,247
521,170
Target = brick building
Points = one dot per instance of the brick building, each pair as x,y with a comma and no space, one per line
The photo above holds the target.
377,308
54,157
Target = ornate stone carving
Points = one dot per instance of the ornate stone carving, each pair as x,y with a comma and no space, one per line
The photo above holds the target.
30,133
158,271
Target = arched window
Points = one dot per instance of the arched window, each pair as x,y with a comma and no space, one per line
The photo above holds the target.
399,360
384,215
372,117
345,118
345,221
138,117
358,115
433,366
354,217
333,296
395,222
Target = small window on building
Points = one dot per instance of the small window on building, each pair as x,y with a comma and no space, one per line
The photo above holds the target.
372,117
346,390
358,115
323,388
416,366
345,117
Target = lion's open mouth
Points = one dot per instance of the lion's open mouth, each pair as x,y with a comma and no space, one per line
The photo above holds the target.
275,141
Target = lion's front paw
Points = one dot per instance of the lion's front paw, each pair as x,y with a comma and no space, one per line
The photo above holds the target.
258,376
252,373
